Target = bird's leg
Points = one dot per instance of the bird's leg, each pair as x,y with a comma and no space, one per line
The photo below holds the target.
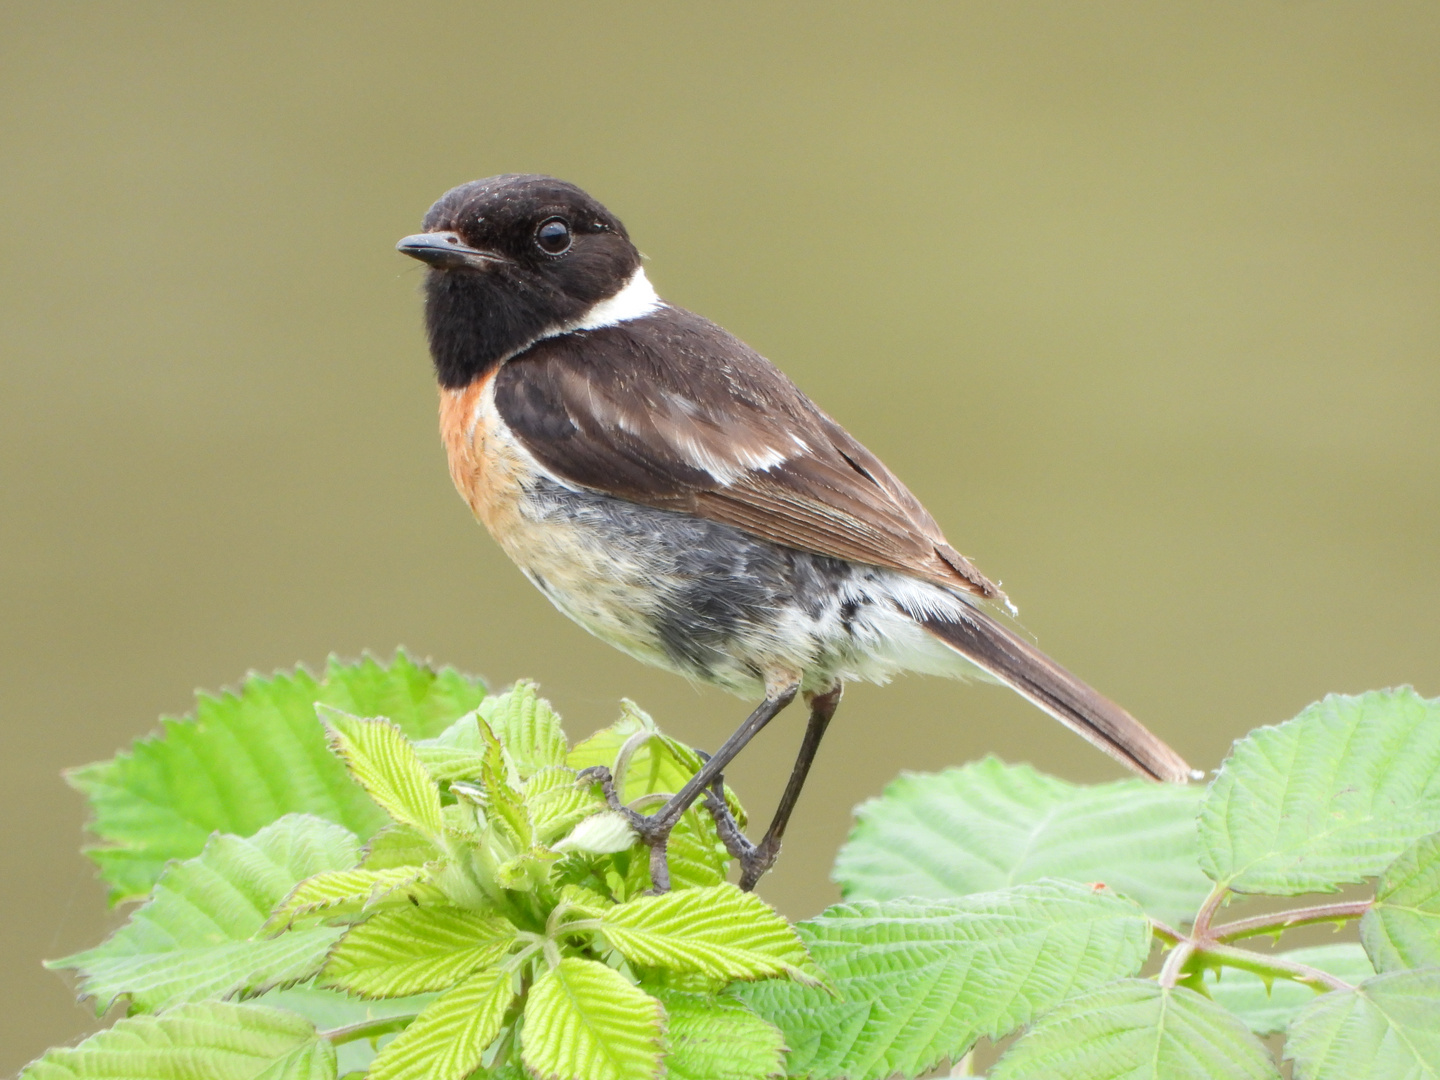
756,859
822,709
654,829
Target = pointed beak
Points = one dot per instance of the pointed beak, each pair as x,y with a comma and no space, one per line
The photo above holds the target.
445,251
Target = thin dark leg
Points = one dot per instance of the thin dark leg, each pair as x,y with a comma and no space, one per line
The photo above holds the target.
655,828
822,709
756,859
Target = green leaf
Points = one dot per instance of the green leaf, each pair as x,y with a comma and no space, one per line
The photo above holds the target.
1402,930
247,759
447,1039
412,950
1138,1030
1328,798
382,760
718,931
527,727
710,1038
1269,1009
918,981
1387,1028
214,1040
446,763
330,1009
398,845
988,825
504,803
339,893
556,805
585,1021
196,938
420,700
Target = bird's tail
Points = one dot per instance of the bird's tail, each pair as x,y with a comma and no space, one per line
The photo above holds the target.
1024,668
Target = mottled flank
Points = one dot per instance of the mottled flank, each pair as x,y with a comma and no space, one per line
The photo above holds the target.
717,604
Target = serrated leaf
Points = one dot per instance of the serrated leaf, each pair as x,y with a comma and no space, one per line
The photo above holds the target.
398,845
383,762
710,1038
413,950
918,981
347,892
247,759
214,1040
1328,798
1402,929
331,1009
447,1039
196,938
585,1021
1387,1028
447,763
1267,1010
556,805
718,931
988,825
584,902
420,700
1141,1031
504,803
527,727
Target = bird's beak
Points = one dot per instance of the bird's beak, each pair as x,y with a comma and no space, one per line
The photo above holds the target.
445,251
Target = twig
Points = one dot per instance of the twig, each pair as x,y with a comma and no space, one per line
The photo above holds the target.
1175,963
1262,964
1209,942
1284,920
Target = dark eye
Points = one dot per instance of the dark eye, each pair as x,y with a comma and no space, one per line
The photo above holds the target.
553,236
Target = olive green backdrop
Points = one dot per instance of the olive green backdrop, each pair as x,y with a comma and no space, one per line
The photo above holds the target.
1141,299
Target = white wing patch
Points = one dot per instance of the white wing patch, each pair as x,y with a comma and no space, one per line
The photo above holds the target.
736,462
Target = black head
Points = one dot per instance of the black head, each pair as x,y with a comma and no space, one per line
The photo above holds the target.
512,259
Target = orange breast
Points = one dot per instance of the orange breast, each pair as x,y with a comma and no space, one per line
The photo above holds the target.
487,467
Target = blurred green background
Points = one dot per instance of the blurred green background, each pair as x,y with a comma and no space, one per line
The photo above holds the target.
1140,299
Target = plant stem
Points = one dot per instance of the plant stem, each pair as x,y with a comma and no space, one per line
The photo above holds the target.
1263,965
367,1029
1284,920
1166,932
1208,943
622,759
1175,963
1207,911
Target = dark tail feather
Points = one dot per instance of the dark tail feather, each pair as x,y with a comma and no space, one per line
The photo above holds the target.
1032,674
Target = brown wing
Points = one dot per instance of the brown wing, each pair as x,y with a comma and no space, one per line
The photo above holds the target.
673,412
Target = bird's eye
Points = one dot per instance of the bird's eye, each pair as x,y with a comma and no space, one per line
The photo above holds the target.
553,236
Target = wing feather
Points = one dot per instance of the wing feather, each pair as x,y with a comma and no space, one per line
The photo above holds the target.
671,411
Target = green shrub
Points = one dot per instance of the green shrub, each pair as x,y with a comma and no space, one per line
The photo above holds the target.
419,883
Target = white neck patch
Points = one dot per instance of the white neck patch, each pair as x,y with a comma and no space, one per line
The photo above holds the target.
636,299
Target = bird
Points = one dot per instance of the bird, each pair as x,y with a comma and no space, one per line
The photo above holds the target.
673,492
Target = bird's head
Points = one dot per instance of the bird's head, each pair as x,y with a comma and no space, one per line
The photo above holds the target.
517,258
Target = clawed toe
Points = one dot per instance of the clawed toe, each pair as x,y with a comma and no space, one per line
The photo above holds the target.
654,831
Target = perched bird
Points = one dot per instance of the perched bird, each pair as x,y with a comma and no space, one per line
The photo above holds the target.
674,493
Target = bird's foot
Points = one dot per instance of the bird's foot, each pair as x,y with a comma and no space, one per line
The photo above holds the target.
754,859
654,831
